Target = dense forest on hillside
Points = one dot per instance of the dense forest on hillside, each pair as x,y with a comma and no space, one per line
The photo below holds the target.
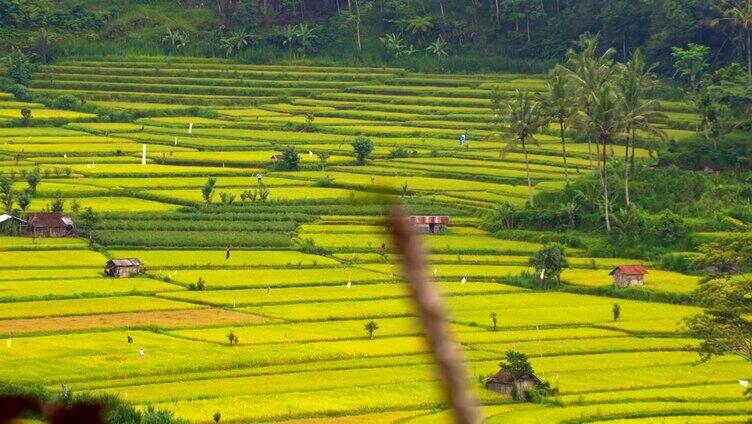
522,35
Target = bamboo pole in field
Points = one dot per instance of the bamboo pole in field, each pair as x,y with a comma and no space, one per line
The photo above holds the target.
433,319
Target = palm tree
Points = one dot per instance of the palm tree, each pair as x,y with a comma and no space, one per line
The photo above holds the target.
393,43
524,117
604,119
305,36
588,72
420,25
558,105
175,40
236,41
739,13
635,80
437,47
288,38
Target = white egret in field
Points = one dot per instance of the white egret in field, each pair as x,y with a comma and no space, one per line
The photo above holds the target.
310,154
435,270
463,280
349,285
65,155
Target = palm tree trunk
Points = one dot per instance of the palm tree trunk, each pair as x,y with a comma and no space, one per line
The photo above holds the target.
604,177
357,24
527,171
626,167
749,52
590,150
564,150
497,10
631,158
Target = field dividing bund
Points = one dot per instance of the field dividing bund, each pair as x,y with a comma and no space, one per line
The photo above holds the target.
295,276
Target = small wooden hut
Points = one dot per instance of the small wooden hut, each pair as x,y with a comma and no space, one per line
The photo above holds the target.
503,382
123,268
11,225
430,224
628,275
50,224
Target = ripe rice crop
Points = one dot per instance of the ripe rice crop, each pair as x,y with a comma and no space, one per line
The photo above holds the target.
54,308
112,204
92,287
278,277
194,258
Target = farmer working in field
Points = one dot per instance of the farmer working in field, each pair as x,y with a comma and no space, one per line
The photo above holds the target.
227,252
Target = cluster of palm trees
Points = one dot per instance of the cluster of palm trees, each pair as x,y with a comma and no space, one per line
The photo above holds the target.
299,37
595,96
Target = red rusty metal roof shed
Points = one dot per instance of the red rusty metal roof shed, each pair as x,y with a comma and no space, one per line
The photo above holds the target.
430,219
634,269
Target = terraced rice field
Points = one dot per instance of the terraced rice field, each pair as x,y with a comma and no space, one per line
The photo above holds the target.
306,272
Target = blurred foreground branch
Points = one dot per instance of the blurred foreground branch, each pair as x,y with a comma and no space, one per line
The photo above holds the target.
433,319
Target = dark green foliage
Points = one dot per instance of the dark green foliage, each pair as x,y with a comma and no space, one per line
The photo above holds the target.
402,152
88,220
116,411
58,204
25,116
200,285
290,159
207,191
362,148
729,256
21,92
66,101
724,327
24,200
18,66
32,179
516,364
549,261
370,327
670,228
6,193
616,311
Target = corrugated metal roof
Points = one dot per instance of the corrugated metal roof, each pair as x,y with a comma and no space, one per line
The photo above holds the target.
125,262
49,219
5,217
634,269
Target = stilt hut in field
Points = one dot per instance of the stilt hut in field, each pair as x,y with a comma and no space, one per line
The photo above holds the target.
430,224
503,382
50,224
11,225
123,268
628,275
